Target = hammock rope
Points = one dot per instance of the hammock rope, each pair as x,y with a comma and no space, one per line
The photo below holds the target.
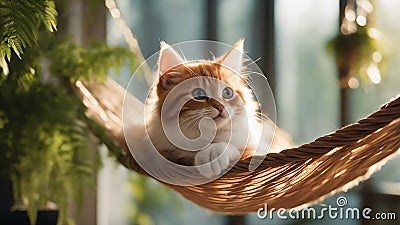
293,178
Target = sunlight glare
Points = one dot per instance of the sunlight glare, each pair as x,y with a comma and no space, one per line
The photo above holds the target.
350,15
361,20
377,57
374,74
353,83
374,33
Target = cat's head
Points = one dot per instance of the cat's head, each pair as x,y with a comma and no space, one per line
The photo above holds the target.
213,89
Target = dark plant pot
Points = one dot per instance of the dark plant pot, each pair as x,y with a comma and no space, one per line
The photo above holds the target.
45,217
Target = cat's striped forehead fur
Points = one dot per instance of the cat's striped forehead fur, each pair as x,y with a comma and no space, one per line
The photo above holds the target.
210,69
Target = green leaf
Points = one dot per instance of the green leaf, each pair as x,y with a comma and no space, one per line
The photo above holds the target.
21,20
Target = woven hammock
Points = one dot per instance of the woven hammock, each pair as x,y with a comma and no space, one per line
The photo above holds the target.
293,178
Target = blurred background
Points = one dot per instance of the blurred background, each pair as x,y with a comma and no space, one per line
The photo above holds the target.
292,41
305,48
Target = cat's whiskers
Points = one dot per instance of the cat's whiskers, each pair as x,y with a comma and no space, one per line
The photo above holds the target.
261,116
206,112
190,121
184,57
189,118
251,62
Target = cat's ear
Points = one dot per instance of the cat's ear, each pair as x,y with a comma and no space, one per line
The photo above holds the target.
233,59
168,58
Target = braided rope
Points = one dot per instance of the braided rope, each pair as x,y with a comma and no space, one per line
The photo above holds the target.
343,137
292,178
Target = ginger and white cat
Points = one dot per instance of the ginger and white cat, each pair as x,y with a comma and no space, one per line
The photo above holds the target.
213,107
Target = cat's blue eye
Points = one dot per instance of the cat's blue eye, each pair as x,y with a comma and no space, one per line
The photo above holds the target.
199,94
227,93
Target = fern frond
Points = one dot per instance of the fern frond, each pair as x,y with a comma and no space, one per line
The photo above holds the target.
20,22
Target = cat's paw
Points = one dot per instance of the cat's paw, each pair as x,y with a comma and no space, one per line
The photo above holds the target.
216,158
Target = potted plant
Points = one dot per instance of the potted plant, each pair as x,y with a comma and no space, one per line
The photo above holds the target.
45,136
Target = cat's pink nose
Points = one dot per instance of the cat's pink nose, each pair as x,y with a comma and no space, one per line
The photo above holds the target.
218,106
